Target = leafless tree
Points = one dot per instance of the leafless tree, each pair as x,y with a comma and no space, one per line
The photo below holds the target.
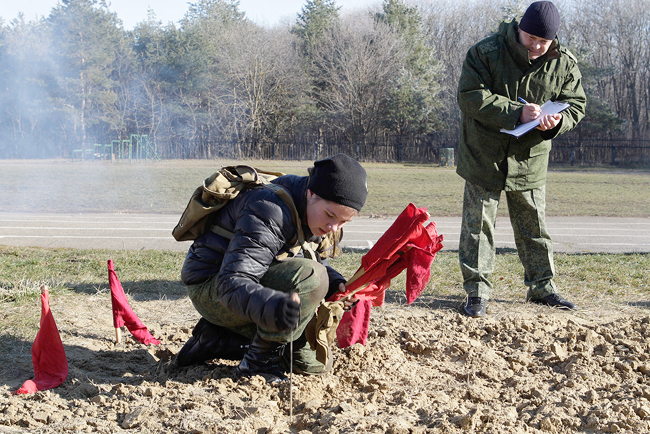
265,81
453,27
358,61
614,33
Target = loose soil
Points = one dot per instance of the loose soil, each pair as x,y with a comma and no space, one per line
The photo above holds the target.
524,369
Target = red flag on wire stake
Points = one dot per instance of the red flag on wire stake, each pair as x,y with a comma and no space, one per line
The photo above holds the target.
48,355
407,244
122,312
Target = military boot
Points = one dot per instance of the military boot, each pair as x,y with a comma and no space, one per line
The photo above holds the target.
263,358
210,341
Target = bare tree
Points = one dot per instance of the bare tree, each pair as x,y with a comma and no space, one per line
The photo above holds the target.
358,59
25,68
453,27
265,81
614,33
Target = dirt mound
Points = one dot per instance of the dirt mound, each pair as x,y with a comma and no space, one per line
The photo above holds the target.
422,371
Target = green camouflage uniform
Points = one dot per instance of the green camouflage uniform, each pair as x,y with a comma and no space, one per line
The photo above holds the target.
496,71
300,275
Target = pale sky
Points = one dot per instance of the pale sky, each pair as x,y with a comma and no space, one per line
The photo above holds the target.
264,12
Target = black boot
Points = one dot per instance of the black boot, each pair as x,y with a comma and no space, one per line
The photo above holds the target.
554,300
263,358
210,341
475,307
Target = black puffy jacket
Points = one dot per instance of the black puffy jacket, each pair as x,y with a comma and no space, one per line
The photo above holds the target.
263,228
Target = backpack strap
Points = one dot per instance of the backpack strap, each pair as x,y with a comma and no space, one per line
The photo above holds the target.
306,247
286,198
221,231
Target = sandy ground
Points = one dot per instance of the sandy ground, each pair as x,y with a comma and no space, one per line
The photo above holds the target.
527,369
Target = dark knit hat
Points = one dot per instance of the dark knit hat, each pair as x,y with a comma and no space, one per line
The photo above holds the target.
340,179
541,19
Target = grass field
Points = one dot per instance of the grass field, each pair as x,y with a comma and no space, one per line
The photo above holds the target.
602,282
62,186
523,368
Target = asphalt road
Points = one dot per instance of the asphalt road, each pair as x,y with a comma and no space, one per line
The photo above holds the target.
153,231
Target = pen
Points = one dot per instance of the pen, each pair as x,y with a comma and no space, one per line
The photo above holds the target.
522,100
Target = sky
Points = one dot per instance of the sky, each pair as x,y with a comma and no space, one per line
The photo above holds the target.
263,12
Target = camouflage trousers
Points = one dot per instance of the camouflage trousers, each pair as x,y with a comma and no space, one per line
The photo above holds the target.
476,249
306,277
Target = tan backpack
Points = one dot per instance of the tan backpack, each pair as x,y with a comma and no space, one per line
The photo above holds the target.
225,185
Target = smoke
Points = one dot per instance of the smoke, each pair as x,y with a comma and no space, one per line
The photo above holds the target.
69,81
28,116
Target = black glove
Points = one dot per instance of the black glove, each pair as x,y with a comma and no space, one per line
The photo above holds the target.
287,314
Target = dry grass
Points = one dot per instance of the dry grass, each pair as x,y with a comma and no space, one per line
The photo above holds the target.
62,186
592,281
595,282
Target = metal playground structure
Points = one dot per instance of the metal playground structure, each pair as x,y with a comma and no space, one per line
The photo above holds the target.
138,147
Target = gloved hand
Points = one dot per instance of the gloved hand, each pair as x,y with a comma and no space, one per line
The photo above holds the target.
287,313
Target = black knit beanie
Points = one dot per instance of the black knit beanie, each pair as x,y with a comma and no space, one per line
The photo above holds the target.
340,179
541,19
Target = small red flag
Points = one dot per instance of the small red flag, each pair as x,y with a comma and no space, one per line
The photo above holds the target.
122,312
48,355
406,245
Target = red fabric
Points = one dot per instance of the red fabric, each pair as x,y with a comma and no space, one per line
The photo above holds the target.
48,355
407,244
353,327
122,312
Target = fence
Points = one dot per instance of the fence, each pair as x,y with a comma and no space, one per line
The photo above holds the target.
425,149
601,151
137,147
381,148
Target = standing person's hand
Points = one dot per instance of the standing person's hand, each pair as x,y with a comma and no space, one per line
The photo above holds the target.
549,122
530,112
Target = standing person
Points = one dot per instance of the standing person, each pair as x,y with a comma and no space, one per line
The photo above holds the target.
522,61
250,294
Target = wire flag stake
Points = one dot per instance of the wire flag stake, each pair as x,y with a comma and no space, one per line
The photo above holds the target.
291,380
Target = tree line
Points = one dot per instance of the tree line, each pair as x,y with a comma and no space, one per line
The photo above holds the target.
215,84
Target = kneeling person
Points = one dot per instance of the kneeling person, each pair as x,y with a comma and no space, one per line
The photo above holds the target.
249,299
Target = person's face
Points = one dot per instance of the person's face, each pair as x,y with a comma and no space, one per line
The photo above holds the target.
535,45
325,216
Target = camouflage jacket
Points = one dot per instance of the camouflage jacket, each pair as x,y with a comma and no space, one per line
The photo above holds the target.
496,71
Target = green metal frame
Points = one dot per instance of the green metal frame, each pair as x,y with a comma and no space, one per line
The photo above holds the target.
136,147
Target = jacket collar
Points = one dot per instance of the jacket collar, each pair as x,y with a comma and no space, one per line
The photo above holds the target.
509,30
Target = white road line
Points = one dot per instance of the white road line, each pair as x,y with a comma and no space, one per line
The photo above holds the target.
88,237
144,229
94,221
84,229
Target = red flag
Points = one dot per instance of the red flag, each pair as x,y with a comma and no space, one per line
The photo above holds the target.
122,312
407,244
48,355
353,327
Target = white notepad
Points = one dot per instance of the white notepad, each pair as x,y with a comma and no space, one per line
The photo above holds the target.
548,108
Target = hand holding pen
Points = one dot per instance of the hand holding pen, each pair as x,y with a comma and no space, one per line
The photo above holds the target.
530,112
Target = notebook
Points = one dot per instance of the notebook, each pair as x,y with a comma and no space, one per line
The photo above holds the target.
548,108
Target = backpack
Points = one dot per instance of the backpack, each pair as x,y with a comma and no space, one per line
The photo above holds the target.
223,186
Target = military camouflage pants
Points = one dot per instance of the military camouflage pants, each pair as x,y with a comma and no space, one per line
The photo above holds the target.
476,249
306,277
